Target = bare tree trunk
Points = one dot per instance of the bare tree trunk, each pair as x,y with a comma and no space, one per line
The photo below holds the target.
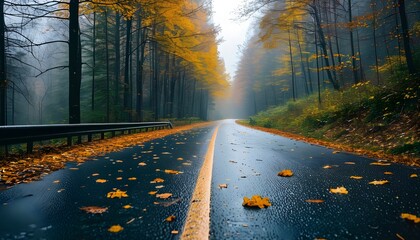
353,54
108,109
375,45
117,62
406,37
127,93
141,35
94,62
3,77
75,63
292,68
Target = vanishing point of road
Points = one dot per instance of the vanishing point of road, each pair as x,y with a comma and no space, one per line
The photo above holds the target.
242,160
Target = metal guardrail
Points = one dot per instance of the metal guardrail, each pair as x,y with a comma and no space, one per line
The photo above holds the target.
18,134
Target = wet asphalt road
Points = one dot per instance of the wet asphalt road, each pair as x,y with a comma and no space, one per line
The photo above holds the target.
248,161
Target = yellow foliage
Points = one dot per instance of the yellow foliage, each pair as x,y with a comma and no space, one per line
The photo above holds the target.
410,217
117,194
256,201
285,173
115,229
339,190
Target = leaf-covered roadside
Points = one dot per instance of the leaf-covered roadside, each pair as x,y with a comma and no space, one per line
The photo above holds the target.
404,159
17,169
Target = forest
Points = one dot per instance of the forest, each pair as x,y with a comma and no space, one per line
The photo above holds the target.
344,71
107,61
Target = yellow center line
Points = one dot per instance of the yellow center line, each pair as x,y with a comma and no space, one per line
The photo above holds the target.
197,225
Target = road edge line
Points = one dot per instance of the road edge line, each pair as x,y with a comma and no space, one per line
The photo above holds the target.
197,224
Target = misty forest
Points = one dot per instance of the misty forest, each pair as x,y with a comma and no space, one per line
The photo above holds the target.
308,67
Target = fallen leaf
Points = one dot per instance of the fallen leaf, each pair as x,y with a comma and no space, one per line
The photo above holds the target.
56,181
119,161
159,187
380,182
339,190
157,180
399,236
170,218
180,159
388,173
223,185
380,164
95,174
168,171
414,175
153,192
128,206
115,229
94,209
164,195
60,190
142,164
314,201
117,194
327,167
356,177
256,201
410,217
132,179
175,232
285,173
74,169
335,152
350,163
101,180
119,178
132,220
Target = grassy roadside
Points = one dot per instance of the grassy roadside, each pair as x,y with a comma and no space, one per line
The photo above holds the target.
381,122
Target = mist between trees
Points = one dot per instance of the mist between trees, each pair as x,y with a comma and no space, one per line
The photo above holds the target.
107,61
301,48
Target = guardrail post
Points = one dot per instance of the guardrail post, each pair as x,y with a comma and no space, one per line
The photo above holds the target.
79,139
69,141
102,136
89,137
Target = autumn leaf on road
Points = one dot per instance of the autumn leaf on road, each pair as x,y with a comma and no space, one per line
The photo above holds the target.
132,179
285,173
356,177
152,192
314,201
327,167
115,229
168,171
170,218
94,209
380,164
388,173
339,190
256,201
142,164
117,194
414,175
128,206
164,195
101,180
410,217
157,180
380,182
224,185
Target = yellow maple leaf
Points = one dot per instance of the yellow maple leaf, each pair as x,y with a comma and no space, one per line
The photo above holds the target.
164,195
285,173
356,177
380,164
101,180
388,173
157,180
94,209
115,229
117,194
339,190
128,206
414,175
168,171
180,159
170,218
152,192
119,178
327,167
142,164
256,201
380,182
132,179
350,163
410,217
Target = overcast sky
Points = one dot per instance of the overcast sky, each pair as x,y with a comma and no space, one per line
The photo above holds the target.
233,32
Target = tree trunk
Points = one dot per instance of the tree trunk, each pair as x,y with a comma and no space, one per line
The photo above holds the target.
127,93
108,82
3,76
93,62
292,69
141,35
321,38
75,63
353,54
117,45
406,38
